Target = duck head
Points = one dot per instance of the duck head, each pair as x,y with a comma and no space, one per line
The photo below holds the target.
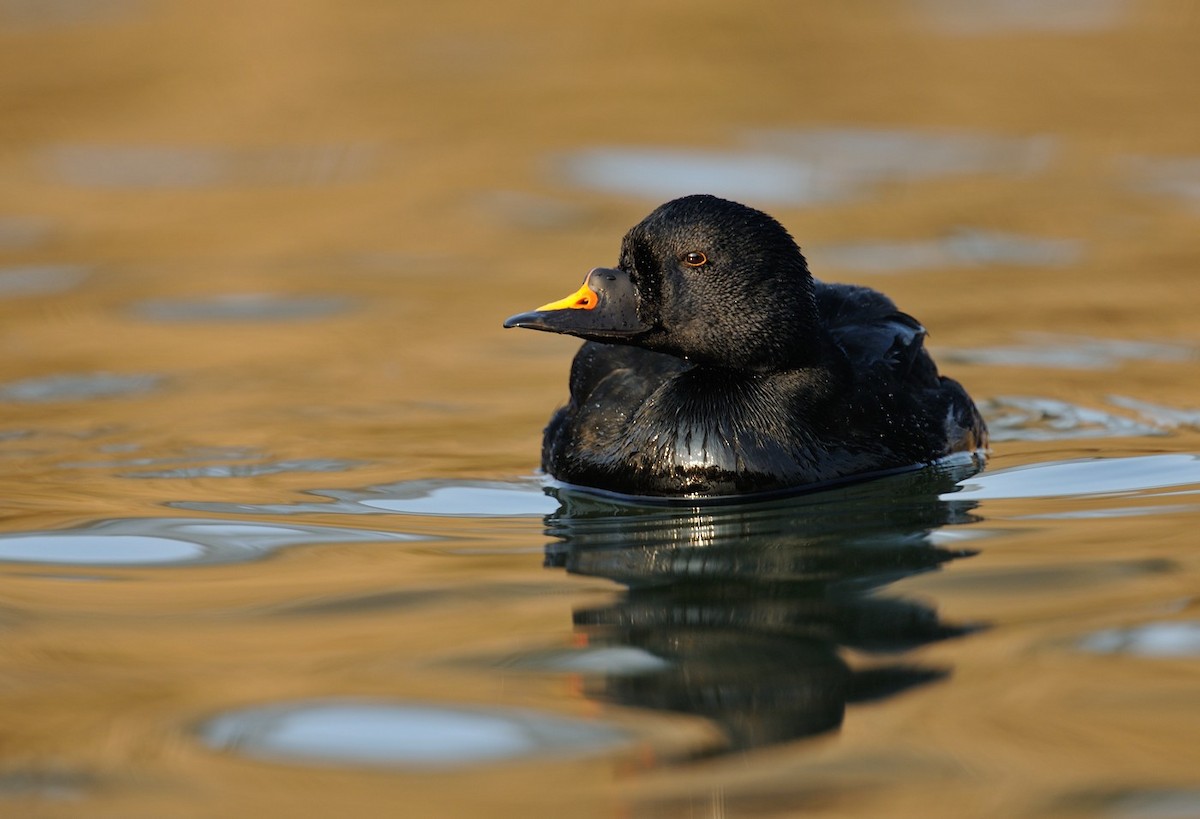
701,278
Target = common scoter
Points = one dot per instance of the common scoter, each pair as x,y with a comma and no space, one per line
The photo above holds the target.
716,365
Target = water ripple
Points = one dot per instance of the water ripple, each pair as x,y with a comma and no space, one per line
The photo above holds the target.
1134,803
1176,177
23,231
1072,352
447,498
1163,417
1028,418
1172,639
1084,476
177,166
801,167
78,386
361,732
40,279
994,16
964,248
242,307
173,541
247,470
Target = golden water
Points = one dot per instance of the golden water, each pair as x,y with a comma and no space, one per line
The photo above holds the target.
253,251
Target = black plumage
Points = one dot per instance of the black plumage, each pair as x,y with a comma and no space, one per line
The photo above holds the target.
716,365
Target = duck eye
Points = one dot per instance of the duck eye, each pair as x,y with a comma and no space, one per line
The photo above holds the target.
695,259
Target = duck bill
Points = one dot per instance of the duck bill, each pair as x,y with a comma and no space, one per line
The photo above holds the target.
603,309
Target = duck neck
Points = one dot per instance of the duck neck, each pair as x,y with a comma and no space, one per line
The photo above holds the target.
823,365
815,351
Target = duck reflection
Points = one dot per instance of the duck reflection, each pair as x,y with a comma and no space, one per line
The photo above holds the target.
750,607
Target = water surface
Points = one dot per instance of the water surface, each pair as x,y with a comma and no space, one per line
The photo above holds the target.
272,541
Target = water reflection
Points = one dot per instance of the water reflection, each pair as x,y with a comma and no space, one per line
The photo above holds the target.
1134,803
173,541
241,307
38,279
965,247
47,13
78,387
247,470
439,498
750,609
364,732
165,167
23,231
990,16
802,167
1169,639
1163,417
1031,418
1139,474
1058,350
1175,177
